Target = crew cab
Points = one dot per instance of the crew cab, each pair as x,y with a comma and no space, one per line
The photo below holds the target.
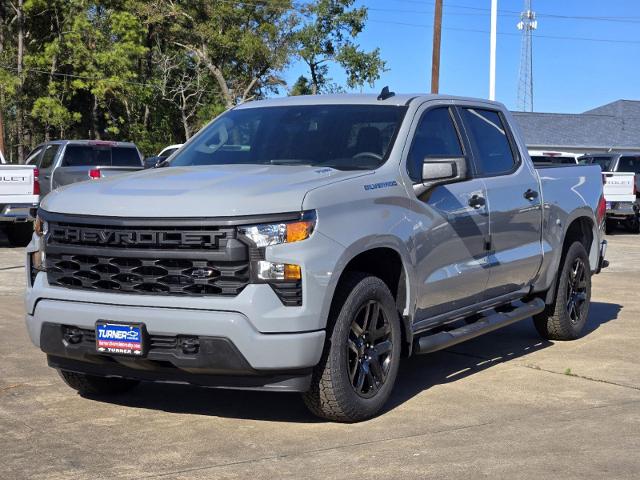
306,244
621,179
19,196
63,162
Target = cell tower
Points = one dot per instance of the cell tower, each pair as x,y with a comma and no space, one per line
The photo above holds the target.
526,25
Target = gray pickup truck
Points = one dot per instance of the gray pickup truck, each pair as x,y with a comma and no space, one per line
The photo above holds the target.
63,162
306,244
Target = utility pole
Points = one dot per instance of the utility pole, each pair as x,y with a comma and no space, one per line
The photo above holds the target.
492,50
435,57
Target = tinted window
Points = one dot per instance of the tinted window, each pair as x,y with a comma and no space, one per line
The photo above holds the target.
49,155
539,159
100,155
33,157
604,162
490,136
435,136
345,137
629,164
125,157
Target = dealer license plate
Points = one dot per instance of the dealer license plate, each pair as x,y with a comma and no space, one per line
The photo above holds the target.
120,338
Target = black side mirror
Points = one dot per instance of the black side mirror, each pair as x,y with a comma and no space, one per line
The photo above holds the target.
441,170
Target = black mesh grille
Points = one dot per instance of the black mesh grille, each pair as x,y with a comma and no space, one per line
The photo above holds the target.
159,261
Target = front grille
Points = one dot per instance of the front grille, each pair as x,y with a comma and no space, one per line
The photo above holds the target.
177,260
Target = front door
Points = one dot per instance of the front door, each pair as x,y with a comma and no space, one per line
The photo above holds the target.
451,223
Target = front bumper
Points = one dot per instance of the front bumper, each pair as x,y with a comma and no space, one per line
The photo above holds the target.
231,353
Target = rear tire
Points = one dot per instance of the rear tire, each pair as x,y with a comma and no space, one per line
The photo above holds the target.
20,234
359,365
92,385
567,316
609,226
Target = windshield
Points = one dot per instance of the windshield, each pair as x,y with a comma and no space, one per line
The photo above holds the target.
345,137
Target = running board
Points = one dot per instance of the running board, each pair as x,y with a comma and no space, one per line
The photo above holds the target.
494,321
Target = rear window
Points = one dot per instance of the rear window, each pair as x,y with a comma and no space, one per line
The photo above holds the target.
629,164
100,156
604,162
539,159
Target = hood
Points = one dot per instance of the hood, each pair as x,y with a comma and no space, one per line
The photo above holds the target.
203,191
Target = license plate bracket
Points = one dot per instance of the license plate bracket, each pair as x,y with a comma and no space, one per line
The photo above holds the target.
121,338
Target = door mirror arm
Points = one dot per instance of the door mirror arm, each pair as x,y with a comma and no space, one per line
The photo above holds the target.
441,171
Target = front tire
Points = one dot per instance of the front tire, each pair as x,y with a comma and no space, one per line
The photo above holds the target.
567,316
92,385
20,234
359,365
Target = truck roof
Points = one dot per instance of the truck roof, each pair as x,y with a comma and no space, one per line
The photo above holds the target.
106,143
356,99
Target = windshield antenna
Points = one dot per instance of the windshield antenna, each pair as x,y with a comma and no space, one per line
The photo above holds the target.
385,93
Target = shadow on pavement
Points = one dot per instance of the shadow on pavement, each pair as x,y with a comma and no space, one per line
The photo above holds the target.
416,375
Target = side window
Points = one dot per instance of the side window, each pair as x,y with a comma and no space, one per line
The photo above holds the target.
33,157
490,137
49,155
435,136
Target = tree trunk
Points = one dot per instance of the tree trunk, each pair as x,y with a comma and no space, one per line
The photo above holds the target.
2,24
185,125
20,61
94,119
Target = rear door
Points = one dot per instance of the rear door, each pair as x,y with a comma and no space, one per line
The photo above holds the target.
513,198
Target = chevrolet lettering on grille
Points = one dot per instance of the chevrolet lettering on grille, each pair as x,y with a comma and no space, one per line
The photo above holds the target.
134,237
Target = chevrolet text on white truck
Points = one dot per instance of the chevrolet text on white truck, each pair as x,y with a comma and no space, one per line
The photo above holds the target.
19,197
306,244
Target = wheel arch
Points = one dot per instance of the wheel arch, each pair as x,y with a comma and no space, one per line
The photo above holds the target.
388,263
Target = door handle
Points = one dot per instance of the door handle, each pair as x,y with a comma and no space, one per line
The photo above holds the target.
531,195
477,201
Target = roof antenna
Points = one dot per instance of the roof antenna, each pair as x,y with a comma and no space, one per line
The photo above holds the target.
385,93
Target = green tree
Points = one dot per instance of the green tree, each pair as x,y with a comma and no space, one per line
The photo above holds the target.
328,36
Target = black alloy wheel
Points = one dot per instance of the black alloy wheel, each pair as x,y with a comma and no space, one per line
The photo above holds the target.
369,349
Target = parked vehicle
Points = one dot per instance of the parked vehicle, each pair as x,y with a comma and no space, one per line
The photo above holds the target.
306,243
63,162
151,162
552,157
19,196
620,176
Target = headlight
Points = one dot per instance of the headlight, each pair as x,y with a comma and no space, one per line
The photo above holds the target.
268,234
41,227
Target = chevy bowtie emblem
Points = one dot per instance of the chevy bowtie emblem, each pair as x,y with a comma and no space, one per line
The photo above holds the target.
202,272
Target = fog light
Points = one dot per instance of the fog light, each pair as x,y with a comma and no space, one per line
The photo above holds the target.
278,271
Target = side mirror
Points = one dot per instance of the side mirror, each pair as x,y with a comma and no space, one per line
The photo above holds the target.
441,170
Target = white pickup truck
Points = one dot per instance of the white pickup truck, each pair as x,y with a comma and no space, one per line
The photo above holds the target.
620,178
19,195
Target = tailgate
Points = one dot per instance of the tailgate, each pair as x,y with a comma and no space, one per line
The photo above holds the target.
16,180
619,186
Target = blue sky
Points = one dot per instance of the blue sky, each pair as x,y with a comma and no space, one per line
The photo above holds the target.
570,75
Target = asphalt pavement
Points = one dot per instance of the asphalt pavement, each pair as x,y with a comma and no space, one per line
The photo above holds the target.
506,405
